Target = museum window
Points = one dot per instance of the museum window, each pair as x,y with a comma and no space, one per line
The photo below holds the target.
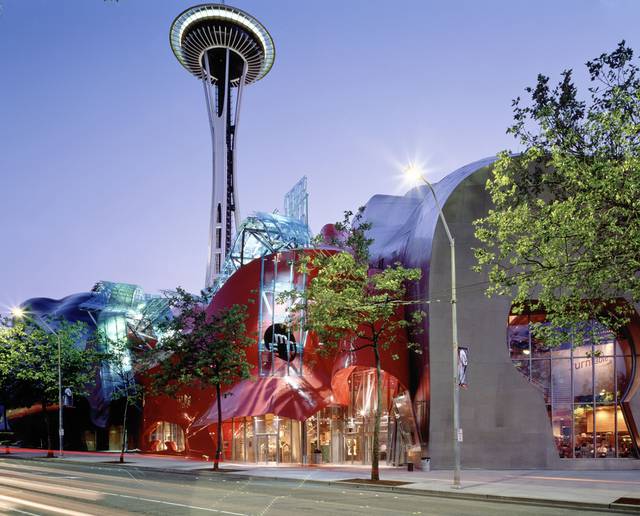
583,386
167,437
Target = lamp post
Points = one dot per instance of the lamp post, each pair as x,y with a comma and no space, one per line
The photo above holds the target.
415,173
20,313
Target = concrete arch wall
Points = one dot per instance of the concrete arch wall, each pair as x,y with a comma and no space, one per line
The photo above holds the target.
503,416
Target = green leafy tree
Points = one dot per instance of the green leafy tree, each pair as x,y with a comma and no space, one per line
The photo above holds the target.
350,307
564,233
29,364
201,350
119,360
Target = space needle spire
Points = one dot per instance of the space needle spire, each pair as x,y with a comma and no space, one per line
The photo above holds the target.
226,49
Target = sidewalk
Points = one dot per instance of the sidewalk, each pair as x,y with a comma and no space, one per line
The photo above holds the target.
588,489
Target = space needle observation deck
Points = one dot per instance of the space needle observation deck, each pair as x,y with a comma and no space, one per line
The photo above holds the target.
226,49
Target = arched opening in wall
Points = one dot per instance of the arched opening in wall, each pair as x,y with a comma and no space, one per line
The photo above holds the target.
166,437
584,385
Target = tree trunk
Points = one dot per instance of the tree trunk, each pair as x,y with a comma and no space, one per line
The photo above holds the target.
375,449
216,460
47,425
124,429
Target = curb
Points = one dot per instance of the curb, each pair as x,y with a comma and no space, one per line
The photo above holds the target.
521,500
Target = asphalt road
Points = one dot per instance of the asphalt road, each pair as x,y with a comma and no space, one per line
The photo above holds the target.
30,487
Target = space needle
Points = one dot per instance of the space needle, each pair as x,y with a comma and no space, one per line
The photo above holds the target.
226,49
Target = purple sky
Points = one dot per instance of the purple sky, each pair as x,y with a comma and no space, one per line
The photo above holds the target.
104,144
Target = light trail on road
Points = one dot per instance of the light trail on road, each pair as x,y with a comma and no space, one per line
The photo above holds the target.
110,490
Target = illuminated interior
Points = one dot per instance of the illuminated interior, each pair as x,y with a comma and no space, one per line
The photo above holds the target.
584,386
167,437
338,434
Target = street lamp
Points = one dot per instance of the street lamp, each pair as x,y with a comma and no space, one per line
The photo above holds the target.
414,172
20,313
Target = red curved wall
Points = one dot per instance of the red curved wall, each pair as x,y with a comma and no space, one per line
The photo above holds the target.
323,381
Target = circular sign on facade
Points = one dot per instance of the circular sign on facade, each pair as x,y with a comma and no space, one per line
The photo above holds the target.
279,338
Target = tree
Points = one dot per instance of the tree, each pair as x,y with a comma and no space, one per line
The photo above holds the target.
118,361
351,308
29,364
564,233
202,350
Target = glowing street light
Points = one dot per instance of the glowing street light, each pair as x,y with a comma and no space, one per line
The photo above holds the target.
414,172
21,313
18,312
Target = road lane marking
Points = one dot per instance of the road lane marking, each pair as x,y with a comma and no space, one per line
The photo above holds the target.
131,475
175,504
11,507
95,495
39,487
42,506
276,498
303,481
232,491
96,483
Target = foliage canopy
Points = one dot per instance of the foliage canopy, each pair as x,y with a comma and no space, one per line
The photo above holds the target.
119,359
351,307
564,233
202,350
29,363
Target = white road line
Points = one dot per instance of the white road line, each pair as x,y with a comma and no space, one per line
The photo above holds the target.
275,499
6,508
24,512
42,506
134,478
95,495
50,488
175,504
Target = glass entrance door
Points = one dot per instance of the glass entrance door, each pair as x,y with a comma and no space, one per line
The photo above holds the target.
353,449
267,448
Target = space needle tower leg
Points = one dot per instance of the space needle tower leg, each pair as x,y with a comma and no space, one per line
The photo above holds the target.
227,49
223,122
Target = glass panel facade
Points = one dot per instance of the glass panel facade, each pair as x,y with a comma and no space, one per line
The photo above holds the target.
562,423
281,340
583,431
541,376
583,386
624,443
260,235
337,434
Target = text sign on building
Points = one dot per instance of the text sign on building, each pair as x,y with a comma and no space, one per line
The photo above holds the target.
281,337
